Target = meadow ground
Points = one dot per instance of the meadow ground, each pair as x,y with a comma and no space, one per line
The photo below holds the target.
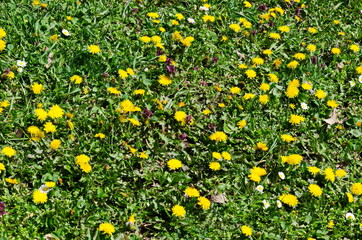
194,119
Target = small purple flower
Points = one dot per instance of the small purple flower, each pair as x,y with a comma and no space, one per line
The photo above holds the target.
171,68
314,59
262,7
211,126
147,113
297,12
159,52
188,119
254,32
105,74
215,59
2,208
203,83
271,24
183,136
196,68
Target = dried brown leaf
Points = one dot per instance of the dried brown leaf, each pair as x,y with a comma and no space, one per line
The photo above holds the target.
50,60
218,198
333,118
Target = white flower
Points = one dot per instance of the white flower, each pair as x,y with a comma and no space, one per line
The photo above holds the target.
279,204
44,189
21,63
266,204
65,32
350,216
281,175
191,20
360,78
259,188
304,106
20,69
352,83
203,8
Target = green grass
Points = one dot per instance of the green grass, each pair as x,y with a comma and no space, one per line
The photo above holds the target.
122,183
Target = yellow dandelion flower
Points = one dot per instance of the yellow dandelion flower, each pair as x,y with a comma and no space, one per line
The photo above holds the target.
37,88
76,79
164,80
204,203
296,119
336,51
2,33
247,231
293,64
289,199
287,138
332,104
355,48
218,136
107,228
268,52
264,87
236,27
250,73
274,35
299,56
341,173
215,166
174,164
208,18
329,174
294,159
315,190
143,155
314,170
94,49
113,90
134,121
2,45
216,155
145,39
100,135
8,151
55,144
50,127
39,196
311,48
178,211
312,30
258,61
320,94
273,77
350,197
241,124
263,99
55,112
235,90
356,189
307,86
153,15
292,92
2,167
191,192
227,156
